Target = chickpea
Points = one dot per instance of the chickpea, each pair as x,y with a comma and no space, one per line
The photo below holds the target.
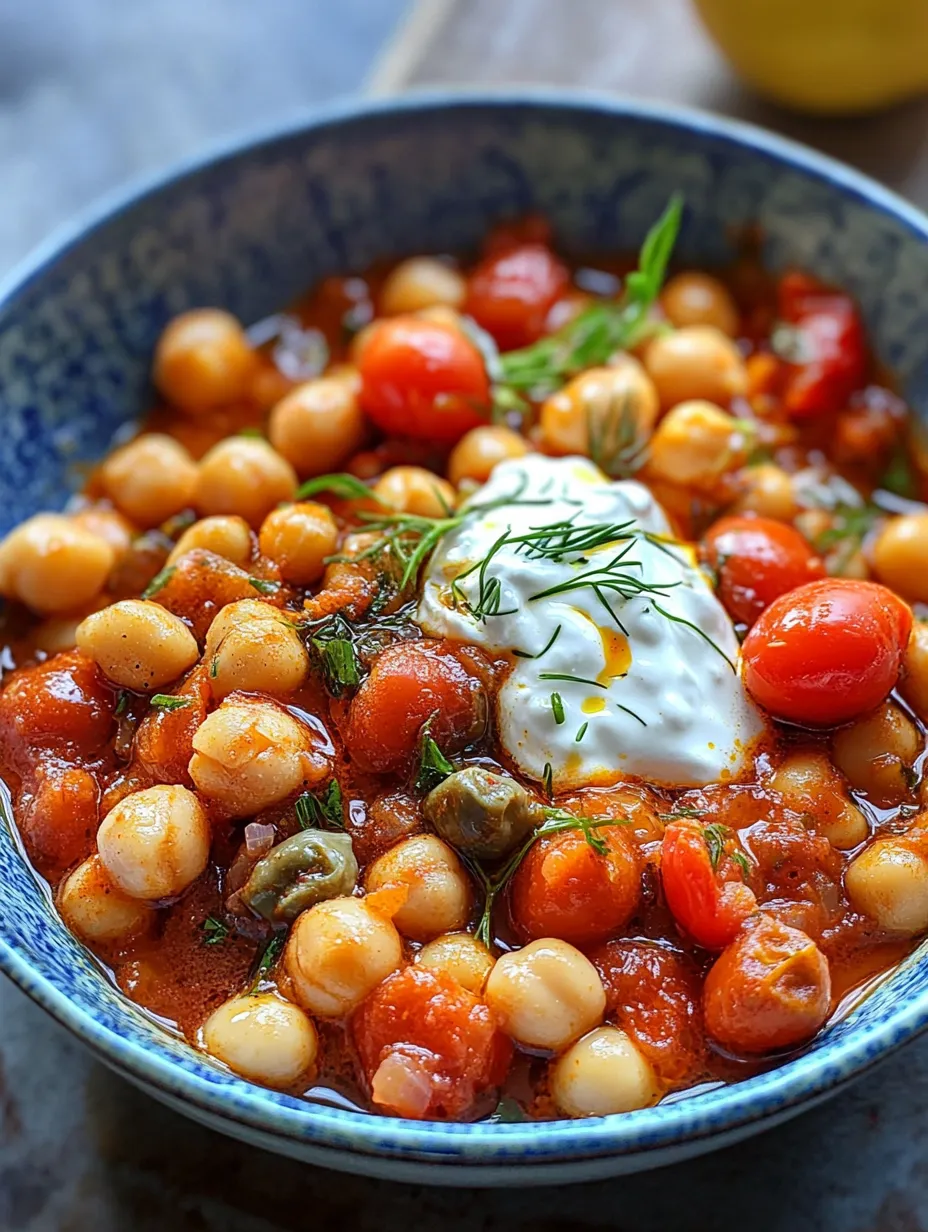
461,956
439,898
421,282
337,953
262,656
225,536
900,556
203,360
412,489
96,911
236,616
875,753
250,755
696,444
602,1073
155,842
244,476
298,539
53,565
138,644
150,479
696,362
767,490
601,411
106,524
914,681
318,425
547,994
810,784
263,1038
692,298
478,452
888,882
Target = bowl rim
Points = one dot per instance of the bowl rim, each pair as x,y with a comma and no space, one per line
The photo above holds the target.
649,1131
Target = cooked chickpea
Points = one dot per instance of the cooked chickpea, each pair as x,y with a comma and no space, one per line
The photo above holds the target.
913,683
478,452
108,524
337,953
696,362
413,489
461,956
547,994
155,842
900,556
601,411
223,535
439,898
876,753
421,282
138,644
319,425
602,1073
150,479
263,1038
298,539
52,565
888,881
811,785
244,476
92,906
695,444
203,360
235,616
262,656
250,755
692,298
767,490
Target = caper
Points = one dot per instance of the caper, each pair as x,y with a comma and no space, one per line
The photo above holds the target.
299,872
481,813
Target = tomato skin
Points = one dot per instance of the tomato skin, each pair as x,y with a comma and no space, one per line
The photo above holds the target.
59,816
831,332
61,703
423,379
770,989
710,904
756,560
445,1038
827,652
565,889
410,683
510,294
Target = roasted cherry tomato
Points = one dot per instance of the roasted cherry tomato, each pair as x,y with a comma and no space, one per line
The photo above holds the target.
423,379
703,884
61,703
756,560
770,989
830,347
428,1047
565,888
510,295
827,652
59,816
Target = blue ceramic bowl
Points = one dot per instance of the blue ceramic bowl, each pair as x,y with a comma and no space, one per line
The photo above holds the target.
248,229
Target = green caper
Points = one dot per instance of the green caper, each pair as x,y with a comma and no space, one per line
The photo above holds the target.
481,813
300,871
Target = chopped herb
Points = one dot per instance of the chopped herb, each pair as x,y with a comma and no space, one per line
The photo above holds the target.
122,702
910,776
682,811
348,487
175,526
596,684
715,835
319,809
547,780
850,525
581,733
616,443
636,717
340,667
557,708
214,667
164,701
269,957
739,858
159,581
524,654
508,1112
214,931
434,766
263,587
252,432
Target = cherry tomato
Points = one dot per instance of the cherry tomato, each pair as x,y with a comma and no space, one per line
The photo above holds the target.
756,560
565,888
427,1046
63,702
770,989
423,379
827,652
59,816
704,887
510,295
831,347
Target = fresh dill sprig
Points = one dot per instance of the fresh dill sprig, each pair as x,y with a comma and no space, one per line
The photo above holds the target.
165,701
524,654
636,717
614,438
333,649
264,587
321,808
159,581
434,766
343,485
596,684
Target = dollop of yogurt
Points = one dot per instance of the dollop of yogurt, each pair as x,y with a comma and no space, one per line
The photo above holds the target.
624,661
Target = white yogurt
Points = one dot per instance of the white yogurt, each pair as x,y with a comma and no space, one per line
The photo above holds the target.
636,692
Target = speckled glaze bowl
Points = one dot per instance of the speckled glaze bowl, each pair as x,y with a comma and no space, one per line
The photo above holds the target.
249,228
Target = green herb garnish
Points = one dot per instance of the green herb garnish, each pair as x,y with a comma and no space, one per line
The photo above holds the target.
333,645
214,931
547,780
122,702
434,766
321,808
524,654
159,581
263,587
557,708
269,957
581,733
681,812
343,485
164,701
714,836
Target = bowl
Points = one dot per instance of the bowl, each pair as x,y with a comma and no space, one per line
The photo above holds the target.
250,227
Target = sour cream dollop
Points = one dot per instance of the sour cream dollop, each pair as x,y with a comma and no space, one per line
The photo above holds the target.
624,661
